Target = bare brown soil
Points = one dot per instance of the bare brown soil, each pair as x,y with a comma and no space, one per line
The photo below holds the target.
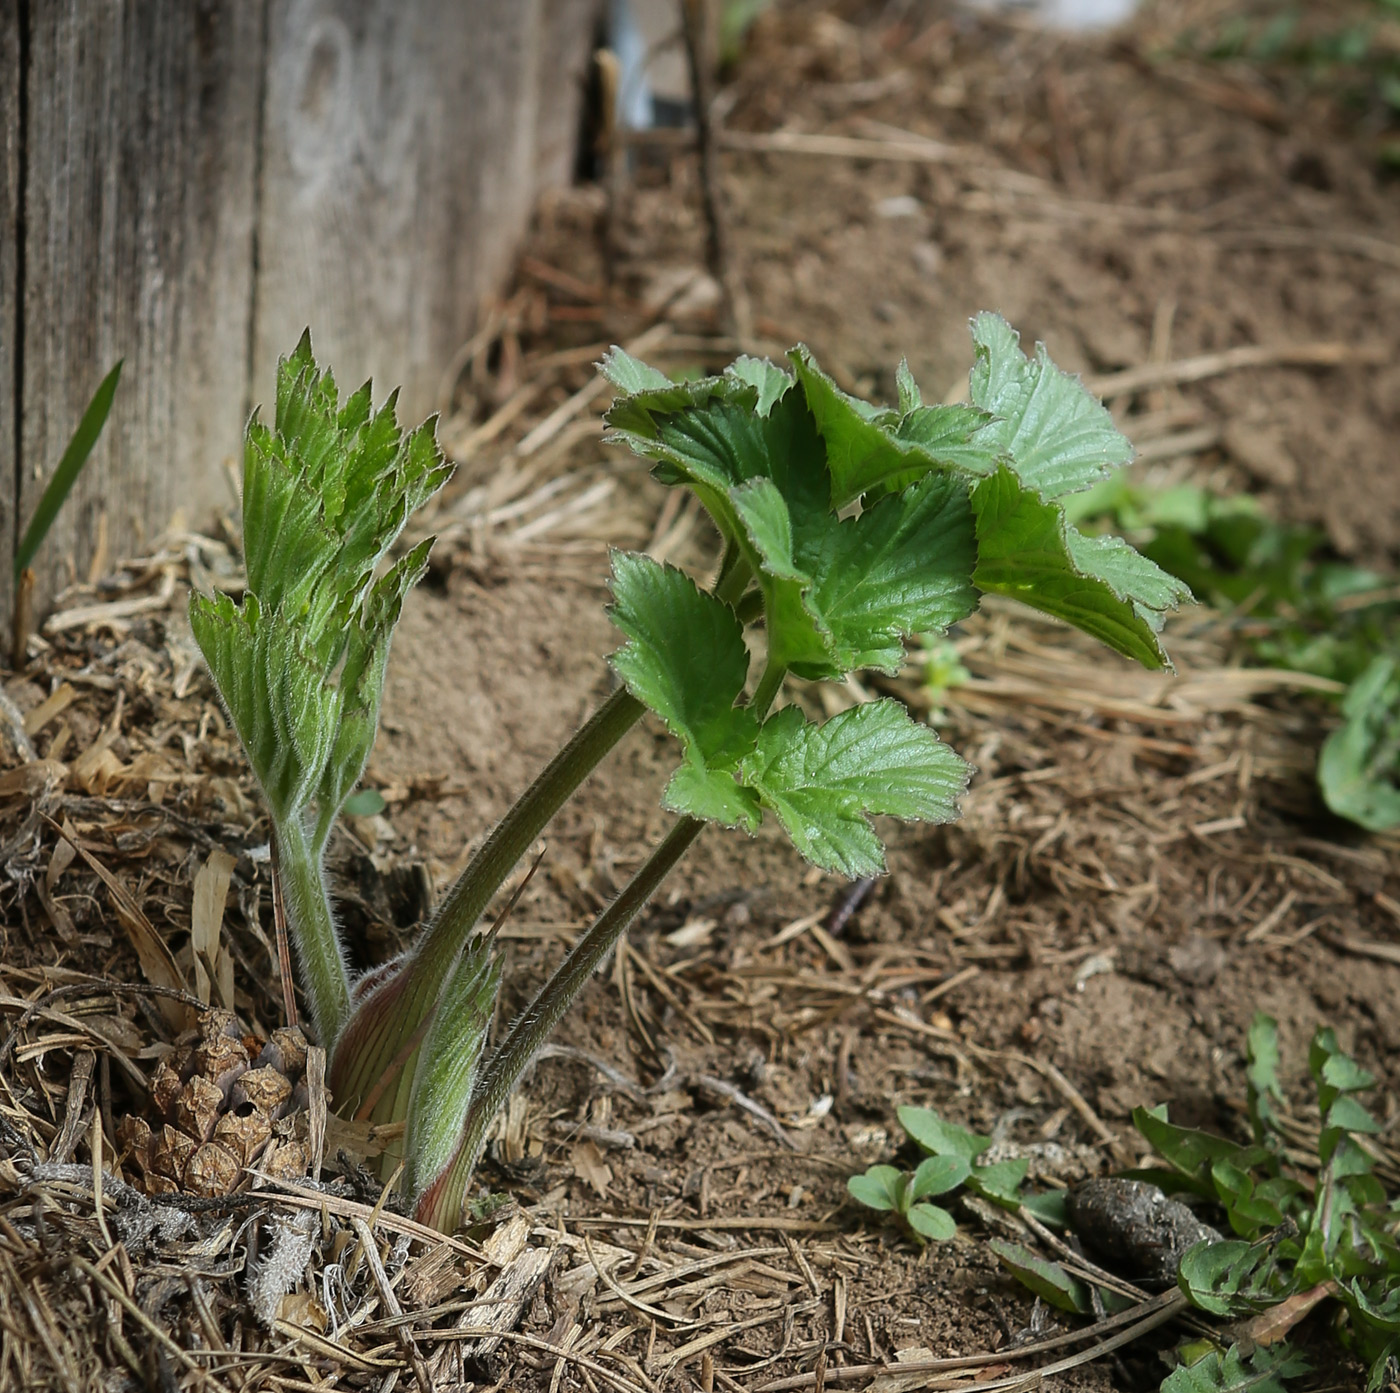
1143,862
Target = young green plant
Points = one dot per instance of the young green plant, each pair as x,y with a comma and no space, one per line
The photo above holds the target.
846,527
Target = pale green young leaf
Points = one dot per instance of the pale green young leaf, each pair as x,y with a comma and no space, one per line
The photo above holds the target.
1058,437
686,660
910,397
629,374
931,1223
1026,551
938,1136
362,682
824,781
768,380
283,710
936,1175
447,1066
879,1187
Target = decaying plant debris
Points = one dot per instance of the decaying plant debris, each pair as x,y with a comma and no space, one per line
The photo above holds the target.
1143,863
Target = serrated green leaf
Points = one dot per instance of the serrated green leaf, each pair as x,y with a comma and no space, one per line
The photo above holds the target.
1191,1151
1350,1116
940,1137
686,660
824,781
931,1223
1048,1280
629,374
936,1175
843,594
871,447
879,1187
1215,1371
1224,1277
910,397
1058,437
1027,552
767,379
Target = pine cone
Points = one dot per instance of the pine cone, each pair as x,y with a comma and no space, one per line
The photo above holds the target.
221,1103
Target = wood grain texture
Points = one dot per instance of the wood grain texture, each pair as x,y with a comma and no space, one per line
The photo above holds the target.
401,162
203,178
138,231
9,292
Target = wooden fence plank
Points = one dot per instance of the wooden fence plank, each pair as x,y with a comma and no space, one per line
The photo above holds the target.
400,169
140,154
10,321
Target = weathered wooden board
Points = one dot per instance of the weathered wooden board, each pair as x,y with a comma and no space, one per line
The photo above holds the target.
401,162
200,179
139,160
10,322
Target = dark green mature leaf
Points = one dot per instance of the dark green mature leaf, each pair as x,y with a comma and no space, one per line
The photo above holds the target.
1027,552
1048,1280
70,466
1359,768
687,661
1193,1152
843,594
824,781
1057,435
1264,1371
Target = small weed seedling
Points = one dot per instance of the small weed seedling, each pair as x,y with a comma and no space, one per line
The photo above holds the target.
847,528
953,1159
1298,1240
1296,609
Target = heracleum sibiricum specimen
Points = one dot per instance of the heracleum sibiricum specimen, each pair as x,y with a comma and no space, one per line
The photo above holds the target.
846,528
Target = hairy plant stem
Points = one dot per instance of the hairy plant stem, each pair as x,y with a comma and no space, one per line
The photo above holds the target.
442,1203
377,1035
355,1071
312,929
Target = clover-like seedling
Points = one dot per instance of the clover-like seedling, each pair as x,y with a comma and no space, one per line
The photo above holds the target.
904,1195
847,528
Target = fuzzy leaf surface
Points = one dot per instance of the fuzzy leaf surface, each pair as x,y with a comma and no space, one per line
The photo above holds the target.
1059,438
447,1066
824,781
685,659
1026,551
